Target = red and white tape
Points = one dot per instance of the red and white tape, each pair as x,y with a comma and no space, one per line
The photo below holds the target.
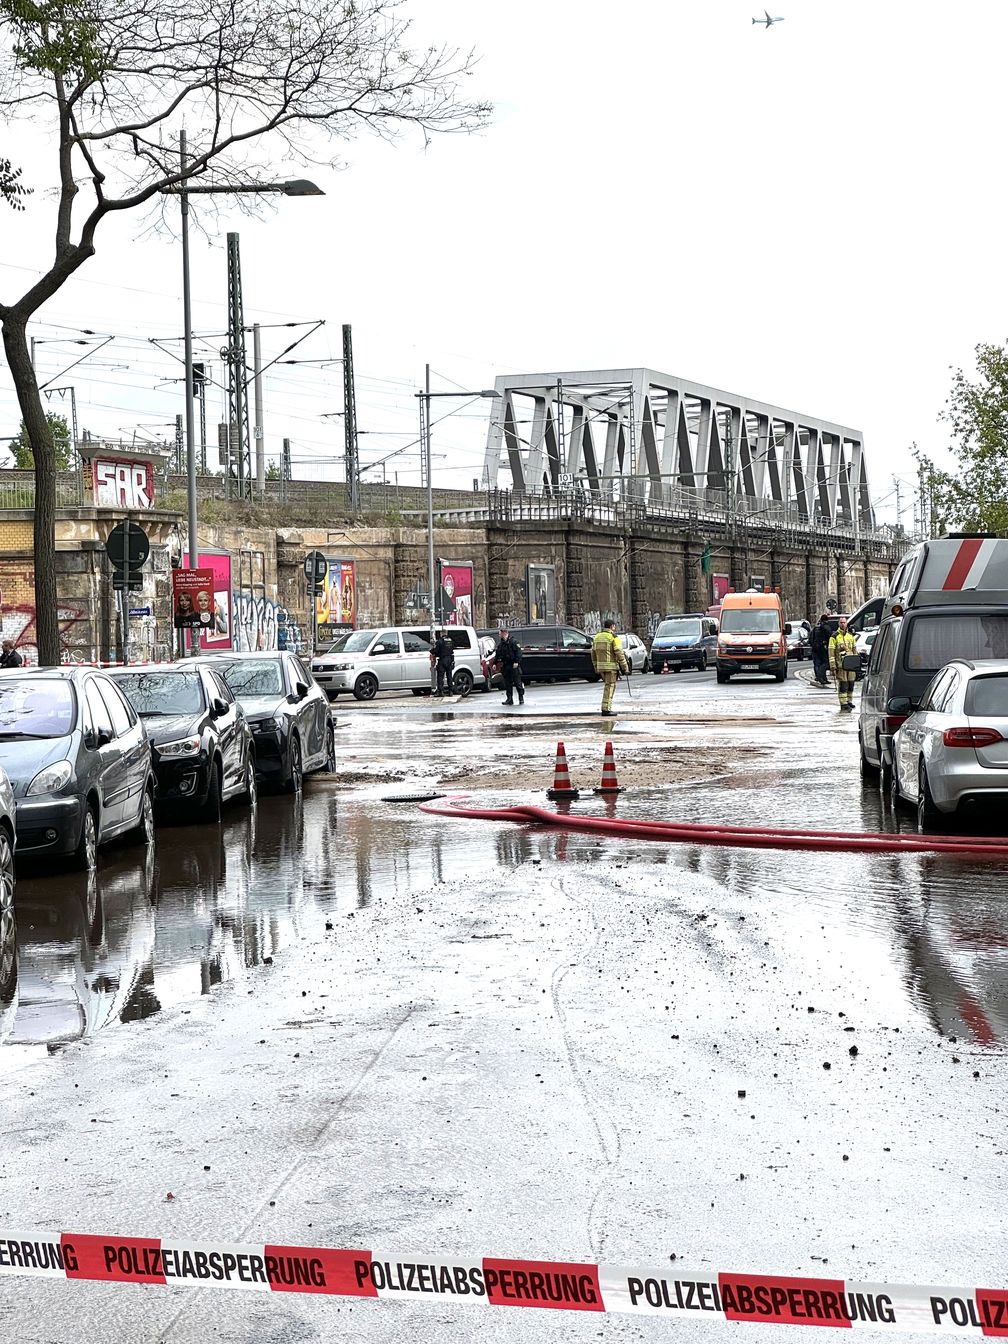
489,1282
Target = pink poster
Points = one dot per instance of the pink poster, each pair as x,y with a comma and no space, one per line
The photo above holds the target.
216,635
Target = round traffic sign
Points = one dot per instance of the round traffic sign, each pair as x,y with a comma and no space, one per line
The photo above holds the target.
316,566
139,546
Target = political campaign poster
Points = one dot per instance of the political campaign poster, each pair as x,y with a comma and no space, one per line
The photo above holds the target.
192,598
454,602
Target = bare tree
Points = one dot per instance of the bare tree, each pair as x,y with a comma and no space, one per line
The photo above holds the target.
112,81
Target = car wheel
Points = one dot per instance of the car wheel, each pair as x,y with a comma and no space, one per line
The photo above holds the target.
722,677
885,769
928,815
869,772
144,829
330,750
8,930
703,662
462,682
210,810
781,673
251,781
86,853
366,686
296,777
417,690
895,797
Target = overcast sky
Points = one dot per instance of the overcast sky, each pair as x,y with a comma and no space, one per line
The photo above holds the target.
812,216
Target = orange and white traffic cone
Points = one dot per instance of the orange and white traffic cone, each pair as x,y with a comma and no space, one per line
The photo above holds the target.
664,666
562,787
609,783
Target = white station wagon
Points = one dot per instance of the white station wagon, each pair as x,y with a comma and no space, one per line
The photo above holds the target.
396,659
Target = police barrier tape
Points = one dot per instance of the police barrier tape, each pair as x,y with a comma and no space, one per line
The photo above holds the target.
557,1285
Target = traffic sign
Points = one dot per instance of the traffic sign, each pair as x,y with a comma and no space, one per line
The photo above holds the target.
316,567
127,581
139,546
137,613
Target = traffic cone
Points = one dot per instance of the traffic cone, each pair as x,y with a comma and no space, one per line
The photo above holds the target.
664,666
561,777
609,783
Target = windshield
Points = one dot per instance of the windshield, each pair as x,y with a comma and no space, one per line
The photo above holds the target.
936,640
987,697
258,676
680,628
163,692
750,621
36,707
335,646
359,642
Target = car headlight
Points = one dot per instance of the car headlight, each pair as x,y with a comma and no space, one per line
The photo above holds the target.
52,778
183,746
342,667
722,648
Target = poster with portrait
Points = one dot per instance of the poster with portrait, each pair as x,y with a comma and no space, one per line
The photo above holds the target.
218,634
336,605
454,602
541,584
192,598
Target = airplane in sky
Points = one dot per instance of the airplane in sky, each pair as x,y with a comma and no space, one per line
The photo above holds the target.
768,21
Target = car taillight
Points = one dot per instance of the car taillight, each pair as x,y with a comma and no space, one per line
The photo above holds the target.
971,737
893,721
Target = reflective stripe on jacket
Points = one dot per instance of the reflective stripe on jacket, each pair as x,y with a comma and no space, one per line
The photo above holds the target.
842,643
607,653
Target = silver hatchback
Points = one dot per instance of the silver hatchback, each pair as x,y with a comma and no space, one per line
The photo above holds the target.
953,749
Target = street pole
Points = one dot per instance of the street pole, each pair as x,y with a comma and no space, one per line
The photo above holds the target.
190,416
430,516
260,453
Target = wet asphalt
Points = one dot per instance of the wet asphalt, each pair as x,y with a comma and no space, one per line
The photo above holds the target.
860,1003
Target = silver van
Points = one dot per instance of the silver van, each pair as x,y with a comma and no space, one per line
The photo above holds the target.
396,659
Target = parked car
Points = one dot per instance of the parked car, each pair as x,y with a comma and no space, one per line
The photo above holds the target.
8,932
863,645
687,640
636,652
78,759
398,659
753,636
286,709
200,738
799,640
952,751
554,653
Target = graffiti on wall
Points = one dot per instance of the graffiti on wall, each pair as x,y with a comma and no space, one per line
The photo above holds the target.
261,624
591,621
17,623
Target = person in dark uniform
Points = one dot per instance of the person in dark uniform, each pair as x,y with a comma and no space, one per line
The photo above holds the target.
10,656
819,644
443,658
508,654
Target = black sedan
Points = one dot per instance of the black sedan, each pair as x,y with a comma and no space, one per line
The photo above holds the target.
288,712
78,759
200,737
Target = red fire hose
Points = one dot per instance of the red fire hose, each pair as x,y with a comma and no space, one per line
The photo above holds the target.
744,837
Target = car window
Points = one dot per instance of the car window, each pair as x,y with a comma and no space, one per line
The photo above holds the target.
679,627
987,696
101,720
36,707
301,673
935,693
255,676
950,692
535,637
359,641
387,642
220,687
458,638
414,643
574,639
751,621
939,637
121,711
159,693
882,650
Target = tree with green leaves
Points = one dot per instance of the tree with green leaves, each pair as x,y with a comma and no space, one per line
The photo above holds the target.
62,447
110,83
973,496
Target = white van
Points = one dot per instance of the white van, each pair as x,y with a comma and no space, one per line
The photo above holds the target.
396,659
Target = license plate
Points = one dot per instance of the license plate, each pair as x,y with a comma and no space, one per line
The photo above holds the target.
750,667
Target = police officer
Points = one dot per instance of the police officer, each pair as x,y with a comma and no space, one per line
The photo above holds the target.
509,655
842,645
819,644
443,658
608,660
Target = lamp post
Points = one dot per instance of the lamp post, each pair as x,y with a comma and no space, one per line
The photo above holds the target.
185,189
427,395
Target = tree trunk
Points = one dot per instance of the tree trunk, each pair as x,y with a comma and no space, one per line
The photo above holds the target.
40,437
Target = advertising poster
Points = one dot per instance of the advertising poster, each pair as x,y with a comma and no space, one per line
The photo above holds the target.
541,594
218,634
454,605
336,605
192,598
720,587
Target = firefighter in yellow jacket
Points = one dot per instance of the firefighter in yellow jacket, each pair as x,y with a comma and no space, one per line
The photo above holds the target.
841,645
608,660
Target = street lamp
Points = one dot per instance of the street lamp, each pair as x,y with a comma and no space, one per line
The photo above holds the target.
184,189
427,395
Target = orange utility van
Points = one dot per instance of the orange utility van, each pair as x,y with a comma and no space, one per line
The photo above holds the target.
751,638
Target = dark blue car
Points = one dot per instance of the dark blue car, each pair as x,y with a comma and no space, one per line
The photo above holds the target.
684,641
78,759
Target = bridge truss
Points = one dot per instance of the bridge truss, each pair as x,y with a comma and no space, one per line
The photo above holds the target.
673,445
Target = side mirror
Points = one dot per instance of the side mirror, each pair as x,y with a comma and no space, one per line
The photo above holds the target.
300,691
899,704
218,709
102,738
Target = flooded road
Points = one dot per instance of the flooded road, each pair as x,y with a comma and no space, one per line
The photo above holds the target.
378,1026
